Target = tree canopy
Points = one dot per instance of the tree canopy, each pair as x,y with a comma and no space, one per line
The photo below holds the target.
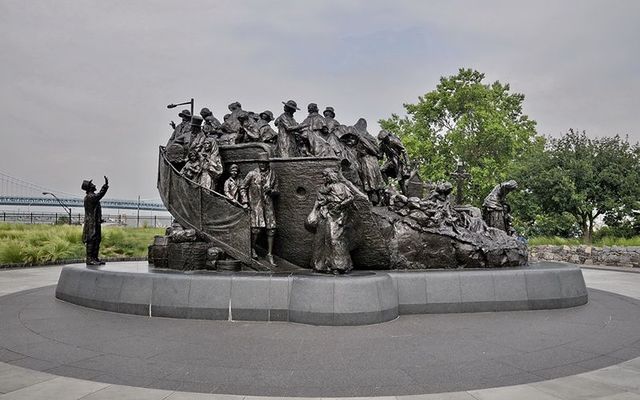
465,119
582,176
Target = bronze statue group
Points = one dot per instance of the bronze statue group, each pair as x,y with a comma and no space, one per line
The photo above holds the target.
316,136
366,165
194,149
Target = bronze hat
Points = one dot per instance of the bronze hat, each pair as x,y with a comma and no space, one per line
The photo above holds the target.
263,157
291,104
268,113
185,114
86,184
196,120
329,109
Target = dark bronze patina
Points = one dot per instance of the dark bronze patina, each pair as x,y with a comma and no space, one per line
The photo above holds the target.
92,231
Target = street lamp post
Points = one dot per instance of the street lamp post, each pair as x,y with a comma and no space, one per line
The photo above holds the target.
182,104
66,208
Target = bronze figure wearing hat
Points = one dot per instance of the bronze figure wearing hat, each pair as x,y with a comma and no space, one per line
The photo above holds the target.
231,186
397,164
315,135
259,188
92,230
330,117
210,126
197,135
335,130
267,134
181,132
288,131
231,125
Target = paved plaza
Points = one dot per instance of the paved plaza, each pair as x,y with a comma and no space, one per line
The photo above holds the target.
54,350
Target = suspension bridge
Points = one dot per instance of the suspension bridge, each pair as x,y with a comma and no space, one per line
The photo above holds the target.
17,192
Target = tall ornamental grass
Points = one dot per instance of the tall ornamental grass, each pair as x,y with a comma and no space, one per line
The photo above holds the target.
40,244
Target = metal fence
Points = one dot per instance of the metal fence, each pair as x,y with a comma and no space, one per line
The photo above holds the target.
151,221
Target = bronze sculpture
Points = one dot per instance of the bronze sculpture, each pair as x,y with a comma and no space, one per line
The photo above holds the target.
231,187
381,228
330,219
267,134
259,188
334,130
211,126
211,164
495,209
249,131
350,164
288,131
179,140
92,230
197,136
368,156
315,134
330,118
231,123
397,164
181,132
193,166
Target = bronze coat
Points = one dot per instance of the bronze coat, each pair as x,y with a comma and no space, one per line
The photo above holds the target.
93,215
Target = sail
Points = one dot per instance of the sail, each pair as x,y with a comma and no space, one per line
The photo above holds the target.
222,221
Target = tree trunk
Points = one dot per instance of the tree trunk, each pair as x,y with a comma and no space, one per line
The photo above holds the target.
585,227
590,236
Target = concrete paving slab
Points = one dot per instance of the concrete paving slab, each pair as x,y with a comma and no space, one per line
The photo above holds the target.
520,392
439,396
576,388
621,396
15,378
55,389
127,393
626,378
204,396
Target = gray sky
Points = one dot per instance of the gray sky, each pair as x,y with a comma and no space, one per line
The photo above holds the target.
85,83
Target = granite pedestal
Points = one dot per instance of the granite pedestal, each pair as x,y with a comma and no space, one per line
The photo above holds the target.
359,298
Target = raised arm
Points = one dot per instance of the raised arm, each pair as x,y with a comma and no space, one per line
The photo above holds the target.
104,189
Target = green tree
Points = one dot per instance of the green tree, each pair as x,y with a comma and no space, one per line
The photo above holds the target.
584,177
465,119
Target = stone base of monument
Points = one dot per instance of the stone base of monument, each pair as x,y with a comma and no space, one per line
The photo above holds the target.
359,298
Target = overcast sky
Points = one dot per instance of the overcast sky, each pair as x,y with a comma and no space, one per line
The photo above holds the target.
85,84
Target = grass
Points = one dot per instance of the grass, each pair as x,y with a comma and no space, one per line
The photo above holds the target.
599,242
40,244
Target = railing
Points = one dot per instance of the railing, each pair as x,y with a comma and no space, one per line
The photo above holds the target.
79,202
151,221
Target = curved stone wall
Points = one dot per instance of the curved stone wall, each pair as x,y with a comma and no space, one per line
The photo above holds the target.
615,256
360,298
